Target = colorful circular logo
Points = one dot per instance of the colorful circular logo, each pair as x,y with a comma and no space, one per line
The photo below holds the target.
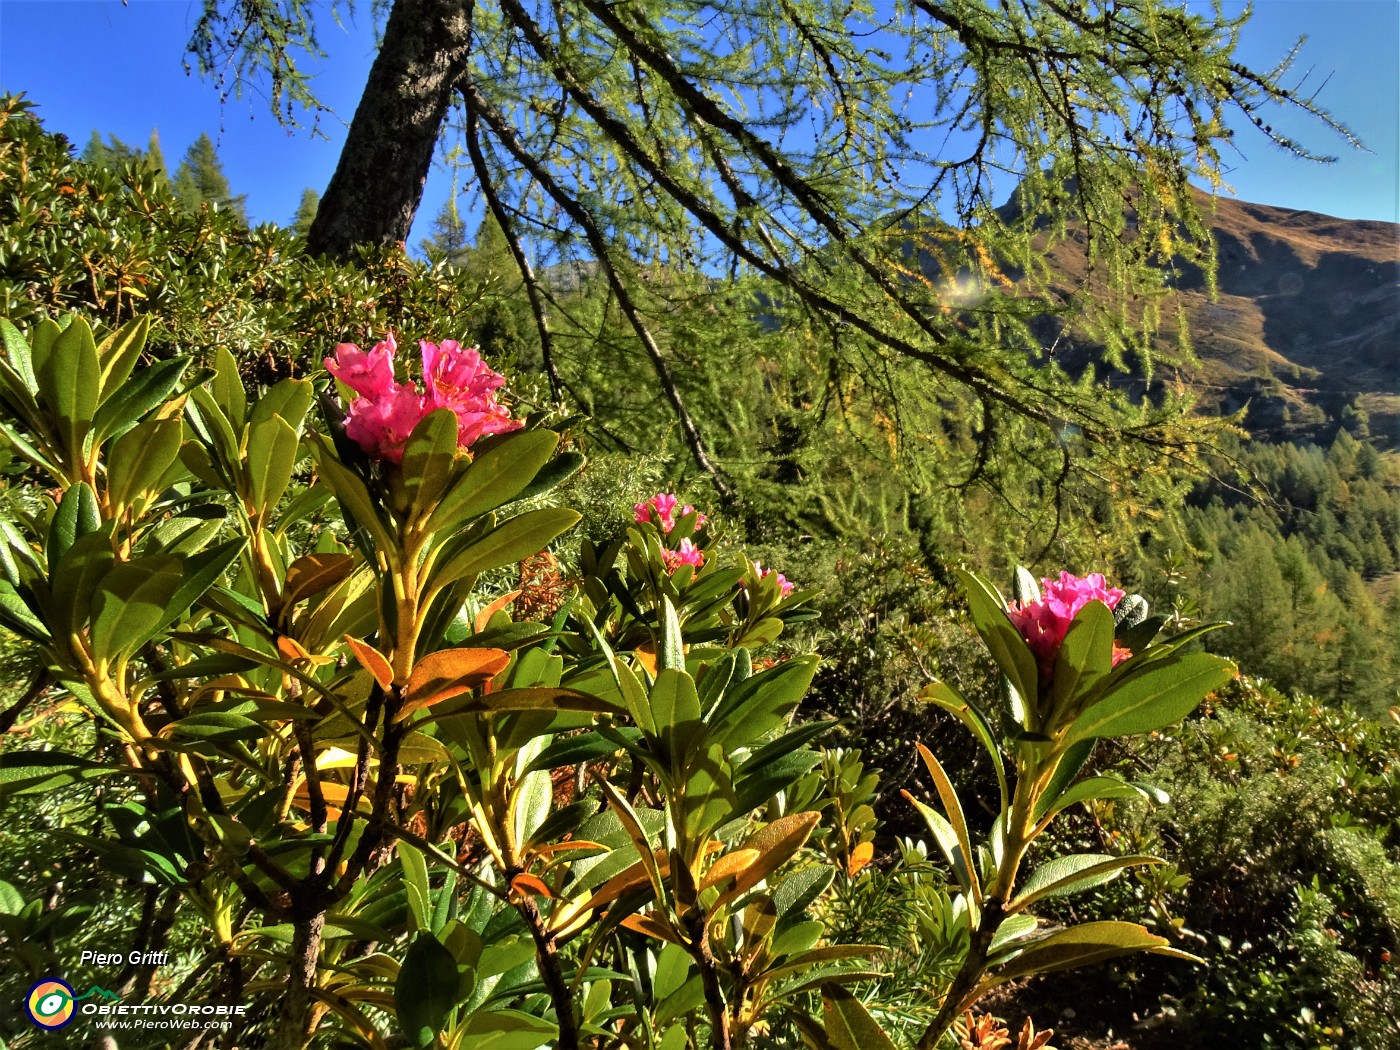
49,1003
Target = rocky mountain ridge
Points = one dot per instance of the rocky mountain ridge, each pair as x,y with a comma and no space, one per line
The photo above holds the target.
1305,327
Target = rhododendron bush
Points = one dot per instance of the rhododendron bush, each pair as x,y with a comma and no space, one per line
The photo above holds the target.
401,812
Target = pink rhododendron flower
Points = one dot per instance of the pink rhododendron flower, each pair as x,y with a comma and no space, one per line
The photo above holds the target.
382,424
785,587
384,414
460,380
1044,624
661,510
368,374
686,554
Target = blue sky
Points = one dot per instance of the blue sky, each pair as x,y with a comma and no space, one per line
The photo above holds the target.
119,69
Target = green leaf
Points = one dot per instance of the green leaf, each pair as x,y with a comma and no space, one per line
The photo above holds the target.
554,473
212,427
752,788
508,544
1005,643
848,1024
18,354
1013,928
952,701
494,478
709,799
1083,945
675,708
41,342
688,997
216,726
797,939
21,447
75,580
947,841
358,507
288,398
429,461
1085,658
227,388
573,750
119,353
11,900
426,989
636,831
199,573
415,880
139,460
795,892
77,515
1071,874
789,741
508,1030
130,603
211,666
19,546
527,698
811,959
533,798
23,772
761,703
273,449
673,967
70,380
16,614
1093,788
672,653
134,400
1066,769
948,795
765,632
1162,694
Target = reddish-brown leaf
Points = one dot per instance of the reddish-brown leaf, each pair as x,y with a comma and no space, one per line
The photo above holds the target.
373,661
448,673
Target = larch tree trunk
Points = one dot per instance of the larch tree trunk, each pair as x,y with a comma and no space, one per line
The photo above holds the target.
378,182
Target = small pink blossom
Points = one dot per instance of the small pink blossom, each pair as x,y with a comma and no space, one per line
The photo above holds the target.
785,587
661,507
460,380
661,510
686,554
1044,623
381,425
368,374
384,414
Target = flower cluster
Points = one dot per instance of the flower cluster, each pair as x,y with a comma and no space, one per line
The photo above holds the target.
1044,623
661,510
384,413
785,586
686,554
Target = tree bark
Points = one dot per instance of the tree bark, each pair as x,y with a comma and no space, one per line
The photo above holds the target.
378,182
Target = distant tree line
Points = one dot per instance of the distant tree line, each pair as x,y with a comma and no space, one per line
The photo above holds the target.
198,180
1307,574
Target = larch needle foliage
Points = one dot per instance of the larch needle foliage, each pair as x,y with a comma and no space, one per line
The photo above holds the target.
385,810
866,176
